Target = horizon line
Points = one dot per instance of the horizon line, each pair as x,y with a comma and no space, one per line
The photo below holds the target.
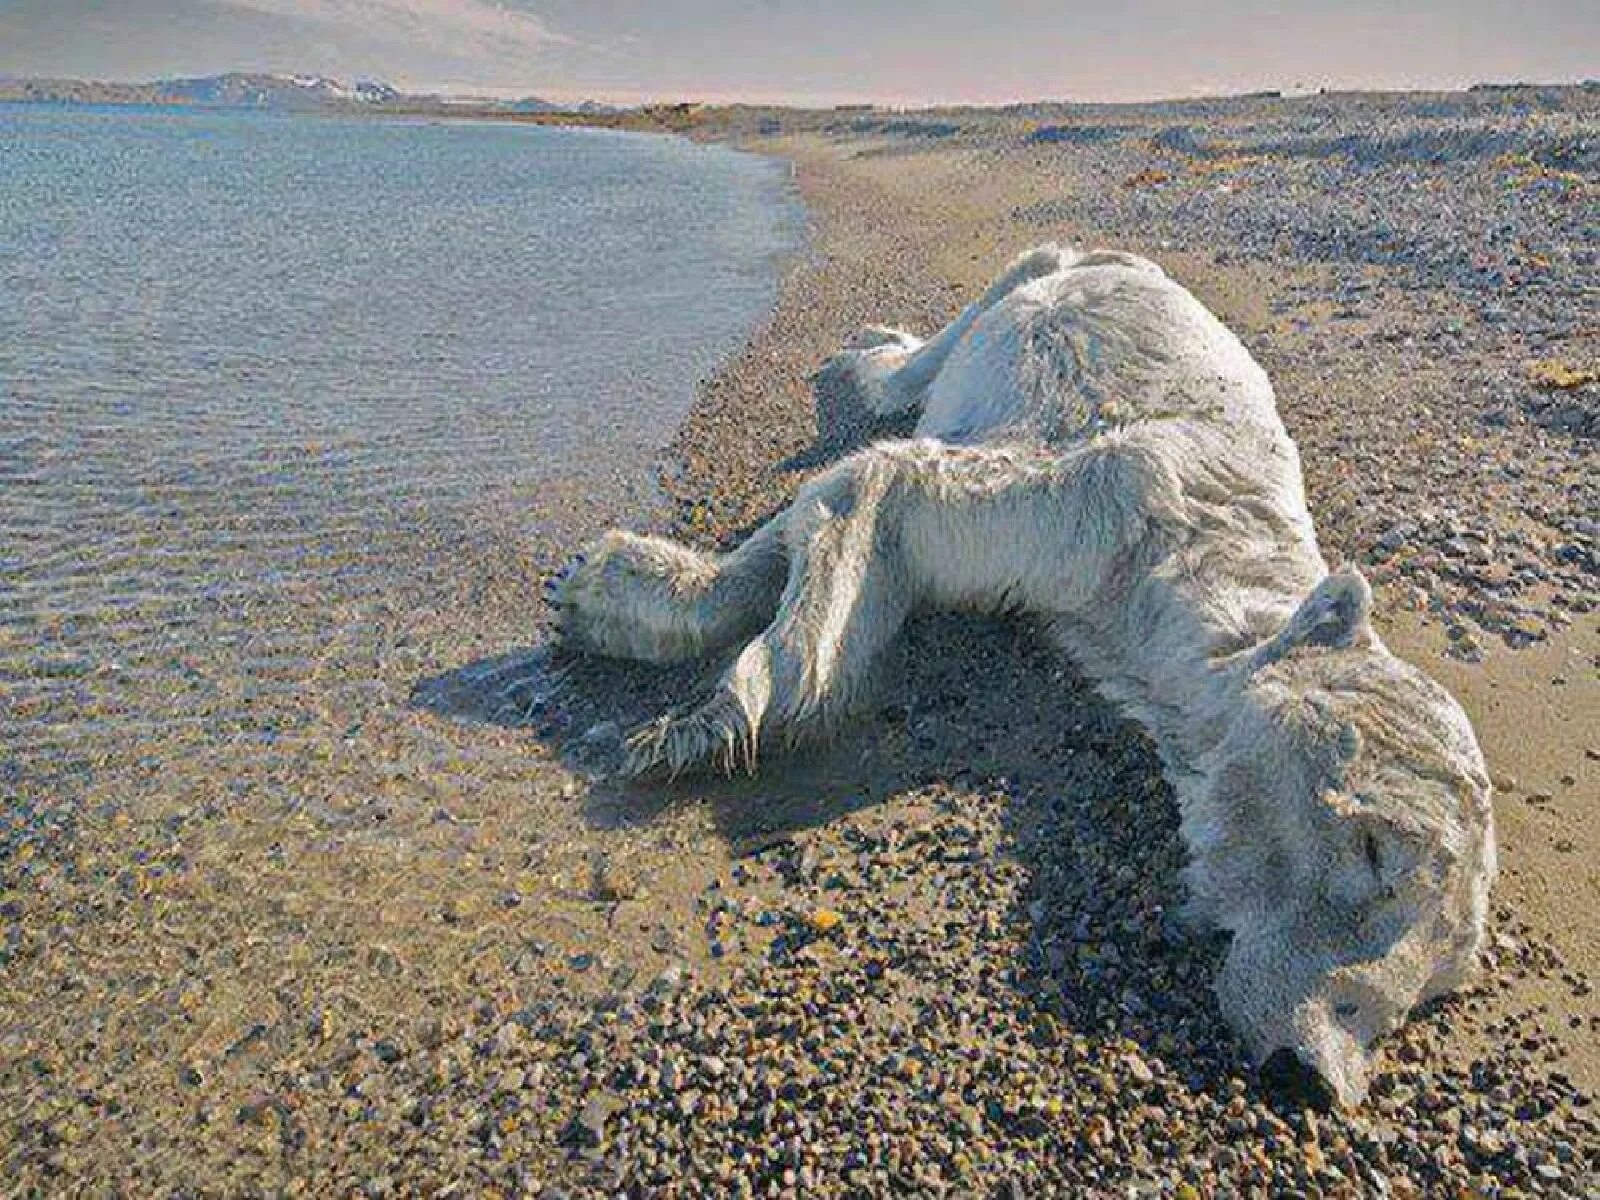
641,99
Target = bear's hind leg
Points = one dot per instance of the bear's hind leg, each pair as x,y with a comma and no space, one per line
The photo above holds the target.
846,599
901,525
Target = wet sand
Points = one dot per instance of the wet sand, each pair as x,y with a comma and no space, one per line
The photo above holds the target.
432,942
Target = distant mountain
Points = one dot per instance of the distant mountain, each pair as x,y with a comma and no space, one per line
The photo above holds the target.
291,93
233,90
273,91
530,104
537,104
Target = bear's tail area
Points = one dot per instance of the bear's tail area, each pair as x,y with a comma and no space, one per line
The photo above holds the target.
889,370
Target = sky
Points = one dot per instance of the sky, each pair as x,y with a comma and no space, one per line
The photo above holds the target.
817,51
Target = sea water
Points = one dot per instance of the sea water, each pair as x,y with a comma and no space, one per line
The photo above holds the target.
265,381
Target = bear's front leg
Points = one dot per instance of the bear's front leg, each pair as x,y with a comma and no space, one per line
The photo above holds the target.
650,599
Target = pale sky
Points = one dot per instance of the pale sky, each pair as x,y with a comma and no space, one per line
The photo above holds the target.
817,51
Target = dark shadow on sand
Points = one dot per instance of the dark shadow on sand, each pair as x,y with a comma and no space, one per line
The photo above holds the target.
981,705
843,426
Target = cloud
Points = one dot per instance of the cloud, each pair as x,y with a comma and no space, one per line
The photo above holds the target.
464,30
422,45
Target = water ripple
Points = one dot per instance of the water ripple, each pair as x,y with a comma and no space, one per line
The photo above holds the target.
276,393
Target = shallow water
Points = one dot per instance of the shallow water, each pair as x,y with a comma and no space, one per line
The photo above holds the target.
276,393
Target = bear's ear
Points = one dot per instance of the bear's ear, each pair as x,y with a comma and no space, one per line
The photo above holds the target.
1338,612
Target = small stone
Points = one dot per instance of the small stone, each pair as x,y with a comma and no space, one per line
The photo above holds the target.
823,921
1485,1143
388,1051
1139,1069
256,1110
663,941
589,1126
613,884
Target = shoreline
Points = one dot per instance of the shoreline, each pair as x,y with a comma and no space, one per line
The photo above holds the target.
926,958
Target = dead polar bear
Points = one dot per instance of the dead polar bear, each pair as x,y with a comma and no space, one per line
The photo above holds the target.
1096,448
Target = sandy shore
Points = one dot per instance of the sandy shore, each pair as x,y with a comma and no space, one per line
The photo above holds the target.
444,949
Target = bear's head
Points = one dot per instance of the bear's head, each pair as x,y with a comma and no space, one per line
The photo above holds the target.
1342,832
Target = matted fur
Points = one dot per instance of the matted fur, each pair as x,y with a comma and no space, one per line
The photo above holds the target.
1096,448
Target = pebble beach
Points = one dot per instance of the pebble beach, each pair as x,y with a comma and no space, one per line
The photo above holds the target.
442,949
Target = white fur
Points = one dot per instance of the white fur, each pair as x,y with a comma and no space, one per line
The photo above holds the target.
1097,449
